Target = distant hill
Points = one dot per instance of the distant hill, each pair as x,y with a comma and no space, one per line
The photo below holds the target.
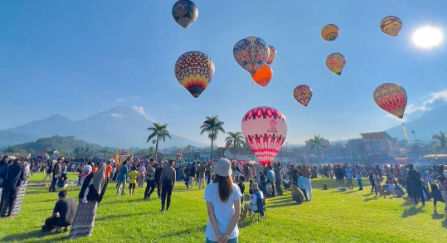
67,144
431,122
121,127
11,138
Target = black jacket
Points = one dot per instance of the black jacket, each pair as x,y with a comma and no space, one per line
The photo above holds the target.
16,176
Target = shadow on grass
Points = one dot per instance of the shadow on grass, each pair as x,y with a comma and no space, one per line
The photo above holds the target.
408,202
113,217
135,199
37,234
435,215
411,211
179,234
369,199
285,203
348,192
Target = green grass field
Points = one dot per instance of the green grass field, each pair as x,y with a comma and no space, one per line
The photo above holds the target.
332,216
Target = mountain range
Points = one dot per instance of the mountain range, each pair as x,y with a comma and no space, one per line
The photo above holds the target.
121,126
124,127
431,122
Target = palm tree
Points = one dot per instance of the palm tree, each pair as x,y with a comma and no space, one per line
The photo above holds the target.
235,140
316,143
159,132
212,125
439,143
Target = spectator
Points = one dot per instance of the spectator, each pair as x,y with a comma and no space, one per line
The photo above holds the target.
223,205
63,214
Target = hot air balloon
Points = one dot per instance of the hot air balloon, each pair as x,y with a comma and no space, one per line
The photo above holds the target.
329,32
251,53
185,13
265,129
391,25
391,98
272,54
302,94
194,70
336,62
263,75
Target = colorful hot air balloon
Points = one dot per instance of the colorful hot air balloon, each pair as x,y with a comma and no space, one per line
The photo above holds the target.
185,13
272,54
329,32
194,70
391,25
263,75
391,98
302,94
265,130
251,53
336,62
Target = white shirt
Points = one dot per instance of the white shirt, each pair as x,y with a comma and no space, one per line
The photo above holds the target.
222,211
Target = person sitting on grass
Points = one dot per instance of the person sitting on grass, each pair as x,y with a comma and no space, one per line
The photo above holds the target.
301,185
297,194
253,204
133,175
398,190
63,214
387,189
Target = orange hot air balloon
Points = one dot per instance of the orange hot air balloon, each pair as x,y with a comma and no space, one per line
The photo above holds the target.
391,25
336,62
302,94
263,75
330,32
391,98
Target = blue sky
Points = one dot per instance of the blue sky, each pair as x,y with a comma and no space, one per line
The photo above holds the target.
78,58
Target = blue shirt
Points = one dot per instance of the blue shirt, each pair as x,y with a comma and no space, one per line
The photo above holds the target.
123,173
271,176
358,174
301,183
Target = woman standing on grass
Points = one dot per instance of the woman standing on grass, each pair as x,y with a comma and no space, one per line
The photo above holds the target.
91,194
223,205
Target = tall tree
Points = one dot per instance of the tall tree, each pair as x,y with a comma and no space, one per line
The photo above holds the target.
439,143
159,132
317,142
212,126
234,140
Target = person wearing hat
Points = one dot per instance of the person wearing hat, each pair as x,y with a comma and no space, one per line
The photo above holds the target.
253,204
222,196
57,174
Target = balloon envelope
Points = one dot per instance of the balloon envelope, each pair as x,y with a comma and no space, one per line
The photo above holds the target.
272,54
391,25
302,94
194,70
265,129
185,13
251,53
391,98
263,75
336,62
330,32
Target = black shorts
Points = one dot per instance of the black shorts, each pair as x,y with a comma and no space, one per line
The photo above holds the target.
132,185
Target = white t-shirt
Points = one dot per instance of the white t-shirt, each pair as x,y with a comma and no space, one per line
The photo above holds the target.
222,211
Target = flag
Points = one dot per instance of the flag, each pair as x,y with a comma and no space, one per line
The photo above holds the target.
412,131
405,131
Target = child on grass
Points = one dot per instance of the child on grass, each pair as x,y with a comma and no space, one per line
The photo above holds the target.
301,185
133,175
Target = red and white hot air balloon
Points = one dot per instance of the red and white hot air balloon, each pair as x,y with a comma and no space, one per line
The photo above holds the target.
265,129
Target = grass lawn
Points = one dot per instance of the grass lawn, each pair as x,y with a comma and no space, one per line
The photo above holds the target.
332,216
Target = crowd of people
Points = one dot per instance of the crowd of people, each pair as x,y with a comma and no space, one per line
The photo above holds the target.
223,183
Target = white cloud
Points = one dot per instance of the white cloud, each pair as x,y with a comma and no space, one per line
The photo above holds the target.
116,115
141,111
404,119
119,99
425,106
